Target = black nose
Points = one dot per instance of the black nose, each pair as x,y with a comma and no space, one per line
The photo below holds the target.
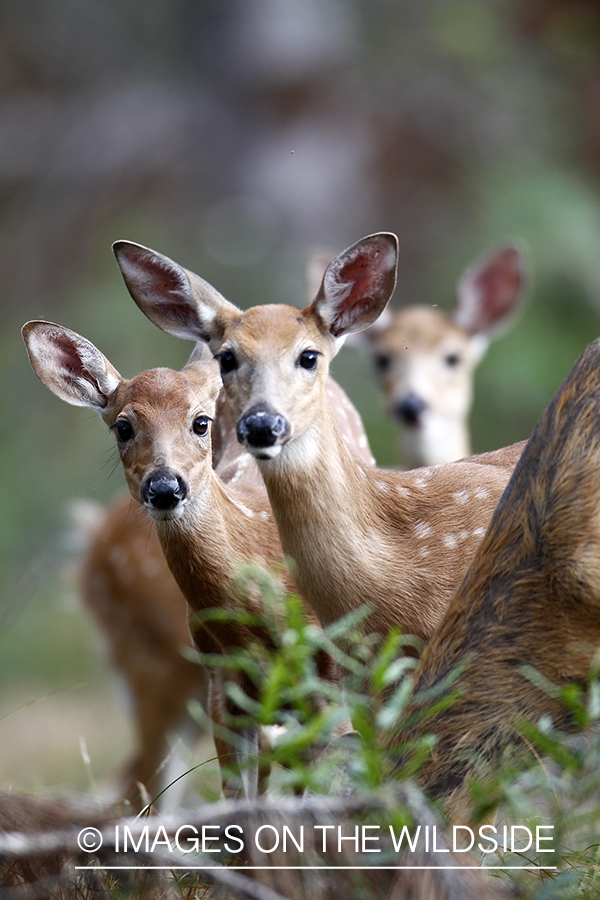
163,490
409,409
261,428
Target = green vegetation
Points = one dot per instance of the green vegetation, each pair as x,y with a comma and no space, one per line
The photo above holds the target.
554,783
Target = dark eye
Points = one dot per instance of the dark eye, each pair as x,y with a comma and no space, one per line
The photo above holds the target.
227,361
452,359
382,362
123,430
308,359
200,425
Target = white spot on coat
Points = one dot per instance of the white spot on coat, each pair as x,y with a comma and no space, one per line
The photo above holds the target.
151,567
422,530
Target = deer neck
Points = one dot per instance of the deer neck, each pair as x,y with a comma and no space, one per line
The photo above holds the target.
325,514
358,534
438,440
206,543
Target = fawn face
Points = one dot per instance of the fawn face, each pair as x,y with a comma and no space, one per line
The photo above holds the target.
425,365
161,419
424,362
274,365
425,359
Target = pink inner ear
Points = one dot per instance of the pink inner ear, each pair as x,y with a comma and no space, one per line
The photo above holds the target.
159,287
359,281
153,273
172,279
67,357
498,287
366,268
68,361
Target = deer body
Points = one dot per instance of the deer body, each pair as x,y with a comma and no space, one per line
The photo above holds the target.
143,616
531,598
161,420
401,541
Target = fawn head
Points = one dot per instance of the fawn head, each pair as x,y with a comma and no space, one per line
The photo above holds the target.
274,360
425,358
161,419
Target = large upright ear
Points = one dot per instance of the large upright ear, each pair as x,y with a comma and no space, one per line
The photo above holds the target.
177,301
69,365
357,285
491,291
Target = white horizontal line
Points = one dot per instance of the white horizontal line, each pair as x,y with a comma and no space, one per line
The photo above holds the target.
324,868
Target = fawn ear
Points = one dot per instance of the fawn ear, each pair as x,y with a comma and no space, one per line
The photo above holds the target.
357,285
69,365
491,291
203,368
315,266
177,301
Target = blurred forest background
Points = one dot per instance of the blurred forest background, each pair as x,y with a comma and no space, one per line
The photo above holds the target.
235,135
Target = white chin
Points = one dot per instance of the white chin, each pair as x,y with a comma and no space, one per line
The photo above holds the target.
265,452
166,515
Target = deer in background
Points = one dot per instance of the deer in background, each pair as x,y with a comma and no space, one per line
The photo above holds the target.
425,358
530,600
400,541
208,520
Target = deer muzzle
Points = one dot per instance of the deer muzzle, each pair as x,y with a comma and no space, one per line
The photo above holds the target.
410,409
163,491
263,432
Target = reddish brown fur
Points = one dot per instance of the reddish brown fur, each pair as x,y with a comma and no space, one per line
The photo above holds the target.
203,549
531,596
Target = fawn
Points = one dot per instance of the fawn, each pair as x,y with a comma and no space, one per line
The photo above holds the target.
425,359
129,590
208,520
530,599
400,541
